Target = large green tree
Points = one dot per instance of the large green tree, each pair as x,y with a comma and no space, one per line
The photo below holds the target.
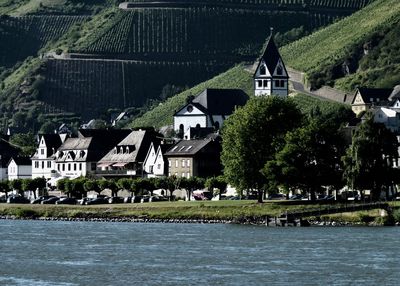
368,161
252,135
310,158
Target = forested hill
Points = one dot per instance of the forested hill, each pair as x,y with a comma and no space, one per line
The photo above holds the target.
360,50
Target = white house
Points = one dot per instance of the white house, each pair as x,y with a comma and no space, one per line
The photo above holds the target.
271,76
6,152
156,164
19,168
43,161
209,109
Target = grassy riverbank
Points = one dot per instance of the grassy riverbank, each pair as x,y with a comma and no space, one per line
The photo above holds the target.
240,211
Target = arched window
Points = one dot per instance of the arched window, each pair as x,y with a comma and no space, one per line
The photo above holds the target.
180,131
198,126
263,70
279,70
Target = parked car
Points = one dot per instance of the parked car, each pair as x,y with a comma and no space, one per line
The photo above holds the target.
50,201
127,200
115,200
145,199
158,199
83,201
66,201
296,197
276,197
3,199
326,198
41,199
136,199
97,201
17,200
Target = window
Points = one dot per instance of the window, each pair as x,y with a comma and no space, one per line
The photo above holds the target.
63,167
69,167
42,151
183,163
93,166
42,164
58,167
188,163
263,70
158,166
169,163
151,168
36,164
48,164
265,83
188,175
74,166
259,83
80,166
189,108
176,163
279,70
183,175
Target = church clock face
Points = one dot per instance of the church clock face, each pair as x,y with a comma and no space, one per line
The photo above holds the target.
189,108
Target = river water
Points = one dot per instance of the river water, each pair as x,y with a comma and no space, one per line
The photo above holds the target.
94,253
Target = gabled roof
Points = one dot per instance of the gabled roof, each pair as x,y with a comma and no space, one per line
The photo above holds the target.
270,56
22,161
375,93
220,101
51,140
188,147
395,93
76,144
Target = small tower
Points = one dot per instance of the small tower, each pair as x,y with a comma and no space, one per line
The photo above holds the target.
271,76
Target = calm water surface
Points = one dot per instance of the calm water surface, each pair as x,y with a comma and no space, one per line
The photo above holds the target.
85,253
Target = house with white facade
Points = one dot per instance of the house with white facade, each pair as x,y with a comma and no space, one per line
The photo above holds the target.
43,161
127,157
271,76
156,164
367,98
209,109
6,152
79,156
19,168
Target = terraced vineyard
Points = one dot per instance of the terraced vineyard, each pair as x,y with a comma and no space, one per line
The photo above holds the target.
200,32
90,87
21,37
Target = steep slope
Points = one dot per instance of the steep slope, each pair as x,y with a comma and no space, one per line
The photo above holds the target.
340,48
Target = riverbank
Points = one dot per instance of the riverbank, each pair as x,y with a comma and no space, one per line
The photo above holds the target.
240,212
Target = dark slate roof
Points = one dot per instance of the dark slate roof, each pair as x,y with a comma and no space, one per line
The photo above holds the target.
375,93
138,143
221,101
22,161
187,147
270,56
6,151
52,140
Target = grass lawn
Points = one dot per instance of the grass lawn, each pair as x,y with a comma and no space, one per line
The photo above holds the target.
211,210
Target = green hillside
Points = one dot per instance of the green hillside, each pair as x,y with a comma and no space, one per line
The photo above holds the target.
323,54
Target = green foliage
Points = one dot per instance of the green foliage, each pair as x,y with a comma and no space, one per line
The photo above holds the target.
322,54
5,187
251,137
26,142
367,163
92,186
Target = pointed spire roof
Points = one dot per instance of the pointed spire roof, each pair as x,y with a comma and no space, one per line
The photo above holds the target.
271,54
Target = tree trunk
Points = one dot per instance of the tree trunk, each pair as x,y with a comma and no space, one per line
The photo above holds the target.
260,196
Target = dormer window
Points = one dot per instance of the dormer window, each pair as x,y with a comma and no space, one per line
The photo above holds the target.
279,70
263,71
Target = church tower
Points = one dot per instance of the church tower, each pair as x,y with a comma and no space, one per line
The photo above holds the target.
271,76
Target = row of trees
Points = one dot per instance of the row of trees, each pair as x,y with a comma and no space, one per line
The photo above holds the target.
23,185
138,186
268,145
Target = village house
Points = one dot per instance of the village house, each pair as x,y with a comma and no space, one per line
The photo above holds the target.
209,109
19,168
271,76
6,152
366,98
79,156
43,161
156,164
199,158
127,157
